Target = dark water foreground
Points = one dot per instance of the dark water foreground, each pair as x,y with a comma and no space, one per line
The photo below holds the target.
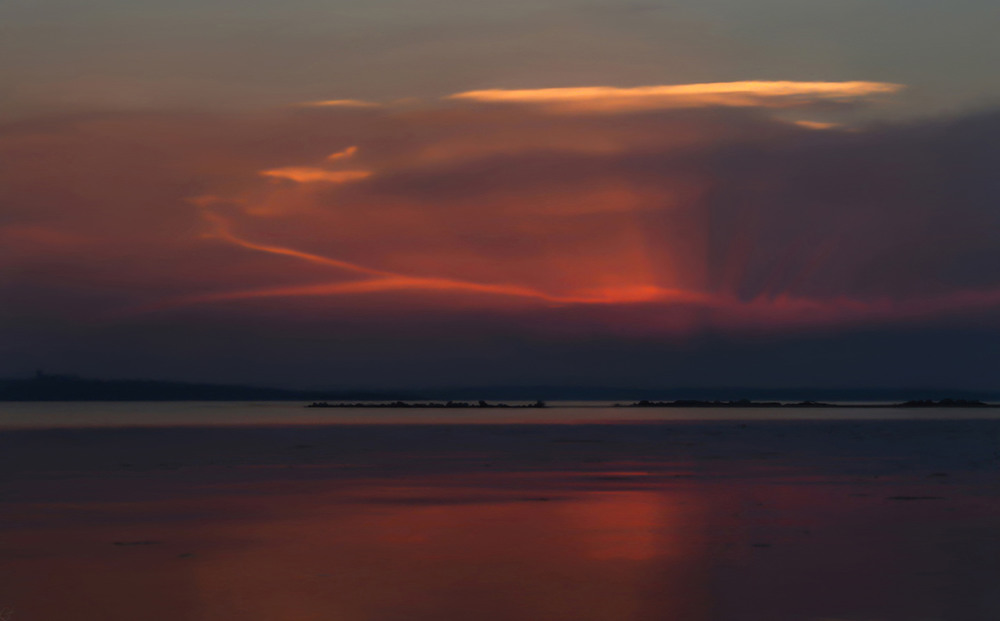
830,520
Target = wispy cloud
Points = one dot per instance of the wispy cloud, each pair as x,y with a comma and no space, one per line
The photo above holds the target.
385,281
609,99
307,174
735,213
347,153
341,103
818,125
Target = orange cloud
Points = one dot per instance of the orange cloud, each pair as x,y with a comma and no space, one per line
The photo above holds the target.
347,153
574,211
493,229
472,204
222,231
608,99
722,307
341,103
383,281
444,285
818,125
306,174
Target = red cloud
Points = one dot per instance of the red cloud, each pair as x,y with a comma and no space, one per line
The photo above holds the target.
666,220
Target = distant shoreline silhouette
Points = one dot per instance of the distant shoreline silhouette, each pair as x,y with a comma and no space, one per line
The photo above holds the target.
47,387
433,404
52,387
745,403
682,403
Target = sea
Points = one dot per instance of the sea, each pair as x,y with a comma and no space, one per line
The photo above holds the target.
272,511
69,414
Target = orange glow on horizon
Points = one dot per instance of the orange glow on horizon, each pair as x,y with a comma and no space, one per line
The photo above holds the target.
391,281
494,207
776,309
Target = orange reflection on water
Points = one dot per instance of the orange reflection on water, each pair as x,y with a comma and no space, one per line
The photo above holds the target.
268,542
446,554
626,525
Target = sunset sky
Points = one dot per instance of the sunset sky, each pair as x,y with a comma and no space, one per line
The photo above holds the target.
440,193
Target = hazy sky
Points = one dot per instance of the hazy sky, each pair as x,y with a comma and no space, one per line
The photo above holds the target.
434,192
245,53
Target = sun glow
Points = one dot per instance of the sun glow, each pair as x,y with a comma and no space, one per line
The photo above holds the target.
383,281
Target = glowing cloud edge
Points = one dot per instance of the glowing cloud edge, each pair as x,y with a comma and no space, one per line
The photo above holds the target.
610,99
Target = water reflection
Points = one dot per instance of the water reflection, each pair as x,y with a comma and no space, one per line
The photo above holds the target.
616,534
590,557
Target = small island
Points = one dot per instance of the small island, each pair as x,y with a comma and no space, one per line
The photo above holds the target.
431,405
746,403
680,403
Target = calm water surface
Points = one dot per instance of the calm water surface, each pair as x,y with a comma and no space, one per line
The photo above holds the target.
104,414
272,512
